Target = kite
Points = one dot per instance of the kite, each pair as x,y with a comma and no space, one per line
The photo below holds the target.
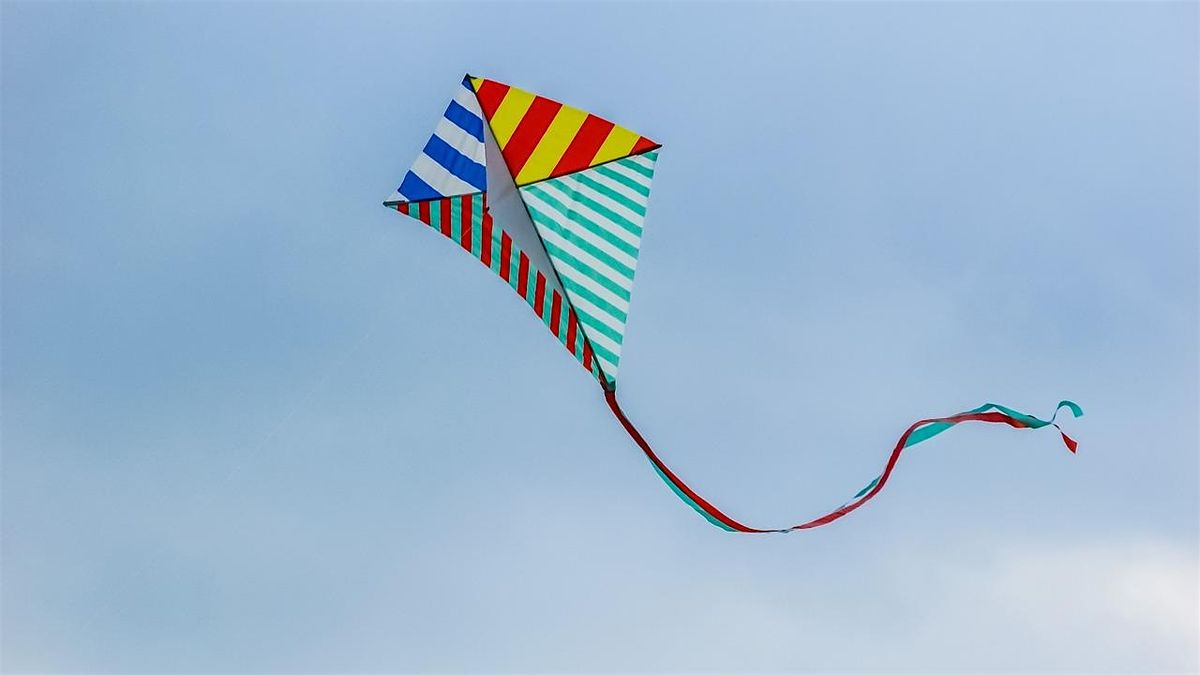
553,200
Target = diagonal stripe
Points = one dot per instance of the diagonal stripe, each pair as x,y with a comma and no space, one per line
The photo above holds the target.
566,229
619,143
587,288
643,164
599,333
629,221
593,284
508,114
571,263
489,94
643,144
583,259
609,172
465,96
560,254
529,133
455,162
603,313
604,214
584,146
627,169
413,189
595,234
603,361
465,120
610,369
452,135
441,180
553,144
588,140
612,196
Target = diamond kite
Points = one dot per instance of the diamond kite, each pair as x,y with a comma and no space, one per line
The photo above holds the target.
553,200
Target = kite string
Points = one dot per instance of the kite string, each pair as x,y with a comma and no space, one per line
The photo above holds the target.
916,433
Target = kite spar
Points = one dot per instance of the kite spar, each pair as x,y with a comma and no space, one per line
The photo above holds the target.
553,199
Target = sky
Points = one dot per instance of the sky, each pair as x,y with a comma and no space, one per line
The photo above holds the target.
254,422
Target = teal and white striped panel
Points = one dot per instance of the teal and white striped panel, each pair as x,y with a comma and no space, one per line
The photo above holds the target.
591,224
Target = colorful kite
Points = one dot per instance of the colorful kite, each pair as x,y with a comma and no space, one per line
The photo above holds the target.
553,199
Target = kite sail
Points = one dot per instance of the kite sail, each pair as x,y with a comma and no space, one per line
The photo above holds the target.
553,200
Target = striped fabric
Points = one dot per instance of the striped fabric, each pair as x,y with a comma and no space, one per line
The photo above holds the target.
591,224
465,220
541,138
584,183
452,162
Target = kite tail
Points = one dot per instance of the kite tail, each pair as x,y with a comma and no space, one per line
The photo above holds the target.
917,433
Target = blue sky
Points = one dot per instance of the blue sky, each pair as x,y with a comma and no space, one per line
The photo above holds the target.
254,422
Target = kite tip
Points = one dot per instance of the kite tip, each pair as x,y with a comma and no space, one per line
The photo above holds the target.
1071,443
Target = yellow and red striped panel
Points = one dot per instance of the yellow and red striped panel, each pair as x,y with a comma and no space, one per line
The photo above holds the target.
541,138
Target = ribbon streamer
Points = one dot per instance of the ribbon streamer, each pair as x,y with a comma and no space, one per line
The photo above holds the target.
918,432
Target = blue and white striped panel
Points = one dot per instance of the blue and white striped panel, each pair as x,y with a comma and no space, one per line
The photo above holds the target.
452,162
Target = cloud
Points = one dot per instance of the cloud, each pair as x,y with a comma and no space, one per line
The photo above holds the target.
1116,605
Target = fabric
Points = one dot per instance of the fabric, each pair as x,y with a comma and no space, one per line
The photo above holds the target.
465,220
509,212
542,138
591,225
452,162
917,433
571,231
